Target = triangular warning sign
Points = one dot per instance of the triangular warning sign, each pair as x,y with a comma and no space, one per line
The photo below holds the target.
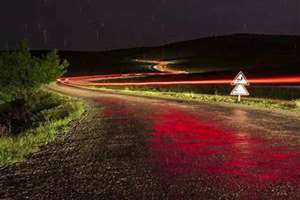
239,90
240,79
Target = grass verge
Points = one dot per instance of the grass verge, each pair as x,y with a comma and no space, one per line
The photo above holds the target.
298,104
55,112
249,101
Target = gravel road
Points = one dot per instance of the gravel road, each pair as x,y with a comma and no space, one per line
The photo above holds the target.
144,148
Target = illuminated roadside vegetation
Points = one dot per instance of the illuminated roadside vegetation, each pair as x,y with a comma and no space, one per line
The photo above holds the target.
298,104
291,105
29,115
259,91
51,115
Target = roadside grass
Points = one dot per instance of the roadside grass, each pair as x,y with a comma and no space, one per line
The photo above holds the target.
298,104
291,105
54,114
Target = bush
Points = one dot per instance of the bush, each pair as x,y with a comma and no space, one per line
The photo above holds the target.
22,74
55,116
3,131
21,78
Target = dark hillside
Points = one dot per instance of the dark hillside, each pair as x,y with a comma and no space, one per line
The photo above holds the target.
88,63
255,54
240,51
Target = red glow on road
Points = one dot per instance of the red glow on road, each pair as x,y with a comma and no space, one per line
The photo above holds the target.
187,143
184,144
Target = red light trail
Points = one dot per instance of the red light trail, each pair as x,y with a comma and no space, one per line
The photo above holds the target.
90,80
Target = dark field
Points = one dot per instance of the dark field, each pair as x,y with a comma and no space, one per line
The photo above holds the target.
248,52
254,54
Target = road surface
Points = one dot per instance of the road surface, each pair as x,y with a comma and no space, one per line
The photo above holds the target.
145,148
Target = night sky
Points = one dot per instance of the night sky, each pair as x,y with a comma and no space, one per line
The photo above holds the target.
113,24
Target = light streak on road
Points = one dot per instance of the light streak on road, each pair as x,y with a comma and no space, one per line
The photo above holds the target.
164,70
162,66
90,80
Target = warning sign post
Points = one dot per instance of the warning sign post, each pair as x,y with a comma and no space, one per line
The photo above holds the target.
240,82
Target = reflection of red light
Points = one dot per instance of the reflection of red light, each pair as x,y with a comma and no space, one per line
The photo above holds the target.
88,80
184,144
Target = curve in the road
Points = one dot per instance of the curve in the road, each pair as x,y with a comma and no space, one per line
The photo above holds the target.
141,148
162,69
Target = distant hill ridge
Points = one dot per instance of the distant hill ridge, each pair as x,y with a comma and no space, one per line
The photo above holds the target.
257,52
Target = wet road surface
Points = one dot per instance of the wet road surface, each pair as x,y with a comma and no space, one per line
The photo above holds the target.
143,148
